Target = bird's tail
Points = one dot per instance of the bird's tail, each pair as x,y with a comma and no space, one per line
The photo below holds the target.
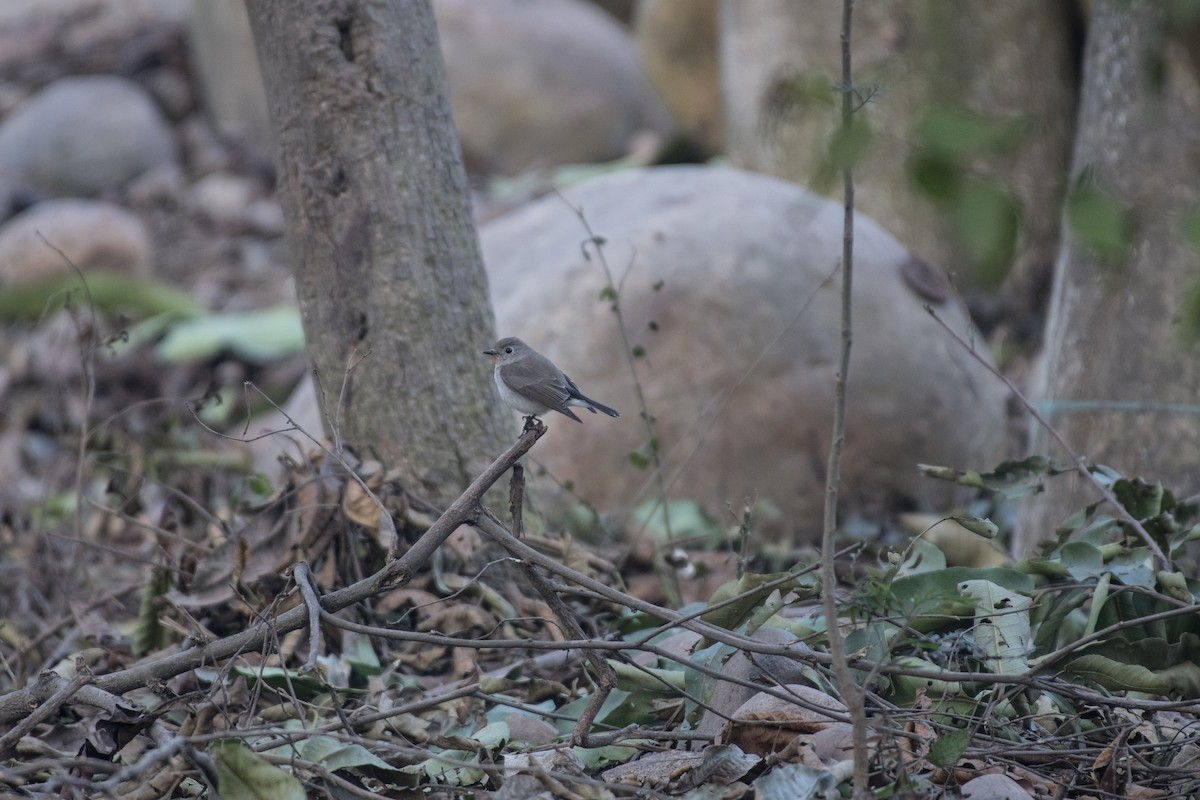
593,407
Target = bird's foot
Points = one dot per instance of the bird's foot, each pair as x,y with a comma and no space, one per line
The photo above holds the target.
533,423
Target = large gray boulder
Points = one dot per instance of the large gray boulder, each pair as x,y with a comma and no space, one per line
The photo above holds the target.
727,279
535,83
80,136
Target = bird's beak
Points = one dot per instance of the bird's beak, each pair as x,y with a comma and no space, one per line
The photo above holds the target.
491,353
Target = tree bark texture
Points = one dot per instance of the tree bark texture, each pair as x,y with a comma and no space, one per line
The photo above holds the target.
1117,374
385,254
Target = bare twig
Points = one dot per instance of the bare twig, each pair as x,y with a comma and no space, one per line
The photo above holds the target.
852,694
300,574
62,691
516,494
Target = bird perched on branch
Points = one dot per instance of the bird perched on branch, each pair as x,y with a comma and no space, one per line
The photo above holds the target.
530,383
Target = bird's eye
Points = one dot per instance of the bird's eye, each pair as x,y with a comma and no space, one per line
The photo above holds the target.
508,350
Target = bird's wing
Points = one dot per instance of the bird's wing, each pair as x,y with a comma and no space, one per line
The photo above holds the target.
528,378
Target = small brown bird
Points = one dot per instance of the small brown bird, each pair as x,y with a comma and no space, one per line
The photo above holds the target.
530,383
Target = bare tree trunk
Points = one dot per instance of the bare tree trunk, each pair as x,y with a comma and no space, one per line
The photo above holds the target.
1116,362
384,251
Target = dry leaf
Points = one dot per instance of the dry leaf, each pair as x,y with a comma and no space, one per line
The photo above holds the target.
766,724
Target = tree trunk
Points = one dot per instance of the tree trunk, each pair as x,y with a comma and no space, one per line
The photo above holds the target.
384,251
1117,369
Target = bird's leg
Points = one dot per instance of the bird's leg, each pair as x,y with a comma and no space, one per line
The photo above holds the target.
533,423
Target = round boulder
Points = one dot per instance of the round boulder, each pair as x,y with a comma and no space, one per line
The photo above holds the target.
729,290
92,235
82,135
535,83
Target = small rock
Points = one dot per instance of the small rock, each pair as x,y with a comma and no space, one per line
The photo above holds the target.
91,234
83,135
202,149
165,184
172,91
223,197
264,218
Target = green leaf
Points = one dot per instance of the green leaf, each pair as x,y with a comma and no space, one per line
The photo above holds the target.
150,633
109,291
687,519
1082,560
333,754
873,639
923,556
698,684
257,336
595,758
988,223
947,749
934,177
244,775
848,145
450,767
661,682
752,592
1115,675
1011,479
937,592
1097,219
619,709
1141,499
305,686
1135,568
980,526
957,135
259,484
1002,631
359,653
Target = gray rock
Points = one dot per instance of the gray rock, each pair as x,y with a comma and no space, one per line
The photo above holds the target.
93,235
202,147
535,83
728,282
80,136
223,197
164,186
